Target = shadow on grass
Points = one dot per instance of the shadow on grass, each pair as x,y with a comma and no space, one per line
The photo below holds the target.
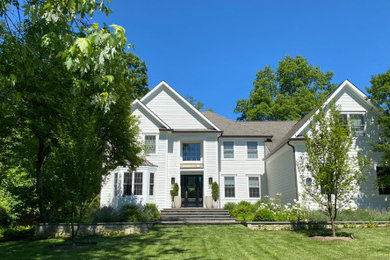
159,242
322,232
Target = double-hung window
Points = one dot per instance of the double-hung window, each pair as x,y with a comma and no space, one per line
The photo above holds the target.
191,152
115,184
138,183
229,187
356,121
228,150
151,184
254,187
127,183
252,150
150,143
383,179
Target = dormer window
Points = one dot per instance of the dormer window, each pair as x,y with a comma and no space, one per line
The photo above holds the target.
191,152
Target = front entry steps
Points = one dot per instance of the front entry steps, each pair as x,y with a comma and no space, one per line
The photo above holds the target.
196,216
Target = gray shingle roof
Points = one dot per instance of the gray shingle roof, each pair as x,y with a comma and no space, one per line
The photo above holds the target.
271,129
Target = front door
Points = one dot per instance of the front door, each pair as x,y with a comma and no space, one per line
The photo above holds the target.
192,190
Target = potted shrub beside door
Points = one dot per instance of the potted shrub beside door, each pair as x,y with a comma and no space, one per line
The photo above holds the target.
215,194
176,199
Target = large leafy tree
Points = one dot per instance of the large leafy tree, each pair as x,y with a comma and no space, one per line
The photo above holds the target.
65,94
379,94
332,163
197,104
287,93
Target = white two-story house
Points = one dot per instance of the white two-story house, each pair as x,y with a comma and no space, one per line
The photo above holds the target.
248,159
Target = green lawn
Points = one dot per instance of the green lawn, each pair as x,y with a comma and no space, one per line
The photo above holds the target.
211,242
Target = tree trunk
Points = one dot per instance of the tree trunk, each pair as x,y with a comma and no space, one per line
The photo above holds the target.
73,231
39,183
332,219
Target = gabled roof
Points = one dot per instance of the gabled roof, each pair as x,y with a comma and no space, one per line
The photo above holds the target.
165,85
265,129
150,112
295,132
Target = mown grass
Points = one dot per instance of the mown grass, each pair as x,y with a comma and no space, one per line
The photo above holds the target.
210,242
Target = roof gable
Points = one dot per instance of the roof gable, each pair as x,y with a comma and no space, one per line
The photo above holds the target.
152,117
174,110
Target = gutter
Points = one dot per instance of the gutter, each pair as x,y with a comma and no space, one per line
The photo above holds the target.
295,169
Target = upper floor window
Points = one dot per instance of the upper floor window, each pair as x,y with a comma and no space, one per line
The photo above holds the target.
150,142
252,149
383,179
228,149
357,123
191,152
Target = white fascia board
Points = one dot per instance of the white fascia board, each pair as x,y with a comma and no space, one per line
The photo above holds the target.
346,83
138,102
162,84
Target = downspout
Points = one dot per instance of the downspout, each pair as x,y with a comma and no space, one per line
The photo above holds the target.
295,169
218,172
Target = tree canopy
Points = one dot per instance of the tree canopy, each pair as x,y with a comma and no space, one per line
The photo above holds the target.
287,93
197,104
379,94
66,91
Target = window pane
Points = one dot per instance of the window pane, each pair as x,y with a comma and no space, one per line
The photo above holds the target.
229,187
191,152
138,183
228,149
150,142
252,149
383,176
127,183
357,122
254,187
151,184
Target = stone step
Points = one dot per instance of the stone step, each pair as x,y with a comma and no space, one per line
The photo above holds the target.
198,222
194,213
194,217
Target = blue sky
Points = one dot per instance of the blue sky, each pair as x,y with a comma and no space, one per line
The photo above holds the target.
212,50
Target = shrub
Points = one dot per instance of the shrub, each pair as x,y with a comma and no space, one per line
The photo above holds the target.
264,215
150,212
18,233
5,218
106,214
241,209
230,206
130,213
175,191
215,191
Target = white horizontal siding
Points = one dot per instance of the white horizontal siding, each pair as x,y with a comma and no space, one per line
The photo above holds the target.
241,167
281,175
146,123
174,112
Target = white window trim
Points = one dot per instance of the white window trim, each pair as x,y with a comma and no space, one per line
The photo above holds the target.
191,142
364,113
257,149
223,150
235,186
247,179
155,136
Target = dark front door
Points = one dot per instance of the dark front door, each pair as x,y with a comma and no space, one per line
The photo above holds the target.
192,190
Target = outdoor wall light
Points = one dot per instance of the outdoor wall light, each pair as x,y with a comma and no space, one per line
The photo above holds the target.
173,180
211,180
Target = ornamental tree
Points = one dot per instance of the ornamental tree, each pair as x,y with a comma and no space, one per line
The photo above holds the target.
287,93
331,163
